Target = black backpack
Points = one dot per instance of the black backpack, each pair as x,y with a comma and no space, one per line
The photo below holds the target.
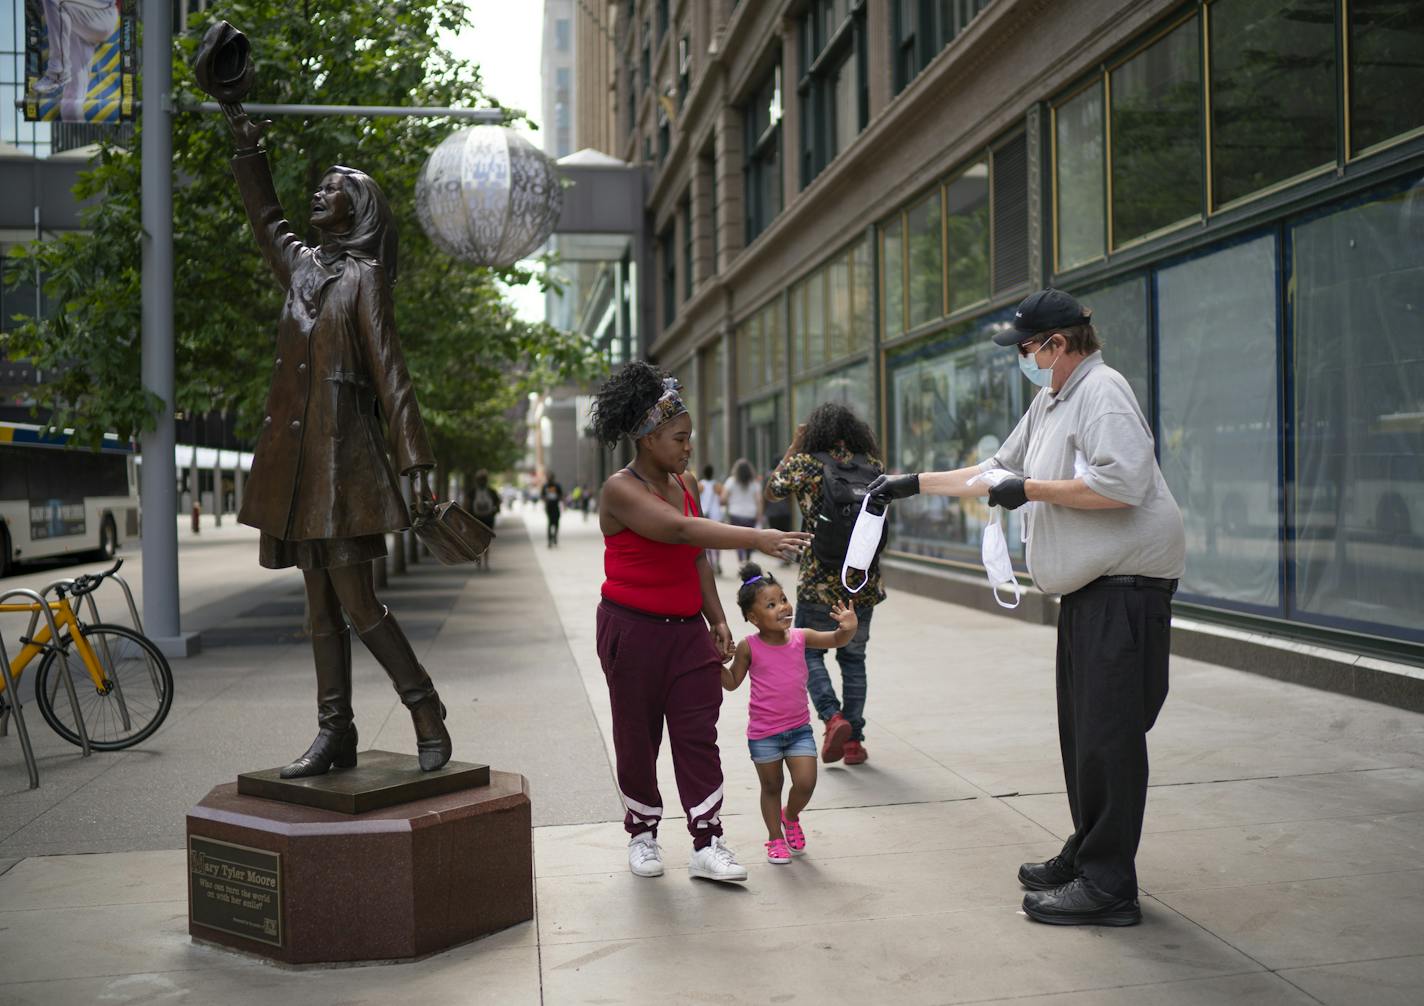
842,491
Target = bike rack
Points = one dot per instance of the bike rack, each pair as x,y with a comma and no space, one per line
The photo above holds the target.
13,693
68,582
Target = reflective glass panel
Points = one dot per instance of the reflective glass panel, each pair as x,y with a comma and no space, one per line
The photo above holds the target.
1273,107
1078,159
862,284
951,402
816,319
892,254
773,332
1359,403
1217,385
1386,69
849,386
926,239
838,318
1120,318
967,203
1157,135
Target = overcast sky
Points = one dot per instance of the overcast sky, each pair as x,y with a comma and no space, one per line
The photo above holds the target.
505,41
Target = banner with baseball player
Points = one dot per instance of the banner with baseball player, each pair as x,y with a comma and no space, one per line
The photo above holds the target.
81,61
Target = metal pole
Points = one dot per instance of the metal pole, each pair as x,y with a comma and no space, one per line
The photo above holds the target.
159,494
494,116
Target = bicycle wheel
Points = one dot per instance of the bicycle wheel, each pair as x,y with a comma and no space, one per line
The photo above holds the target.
137,693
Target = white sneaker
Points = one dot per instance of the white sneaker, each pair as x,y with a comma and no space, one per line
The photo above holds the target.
645,858
716,862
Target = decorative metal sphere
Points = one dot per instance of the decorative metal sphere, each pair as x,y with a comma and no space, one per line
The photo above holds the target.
488,196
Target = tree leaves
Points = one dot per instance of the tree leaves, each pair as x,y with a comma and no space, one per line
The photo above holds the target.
471,359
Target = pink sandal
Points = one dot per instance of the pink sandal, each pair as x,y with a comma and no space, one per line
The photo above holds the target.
777,852
795,837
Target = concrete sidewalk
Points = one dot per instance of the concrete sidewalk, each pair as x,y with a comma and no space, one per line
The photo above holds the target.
1283,860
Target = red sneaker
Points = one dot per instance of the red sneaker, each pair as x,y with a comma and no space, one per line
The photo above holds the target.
855,753
838,731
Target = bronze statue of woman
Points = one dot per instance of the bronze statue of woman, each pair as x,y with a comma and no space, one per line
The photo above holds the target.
323,489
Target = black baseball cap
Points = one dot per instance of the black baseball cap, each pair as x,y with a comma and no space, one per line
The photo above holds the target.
1042,312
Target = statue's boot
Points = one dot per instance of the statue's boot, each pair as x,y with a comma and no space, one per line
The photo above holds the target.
389,646
335,744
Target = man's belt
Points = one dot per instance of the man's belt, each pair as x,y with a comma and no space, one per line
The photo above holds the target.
1134,582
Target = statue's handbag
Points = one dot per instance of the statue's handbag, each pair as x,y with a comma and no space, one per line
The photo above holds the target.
452,533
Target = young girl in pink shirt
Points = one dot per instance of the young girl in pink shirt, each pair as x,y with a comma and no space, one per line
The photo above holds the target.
779,718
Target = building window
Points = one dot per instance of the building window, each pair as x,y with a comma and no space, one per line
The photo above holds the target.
662,18
667,248
762,121
647,63
1273,107
709,165
1217,375
831,311
1358,508
632,102
684,69
664,136
563,34
1078,197
950,402
687,277
967,227
1386,73
925,238
1120,319
1157,135
1010,214
892,257
833,89
921,28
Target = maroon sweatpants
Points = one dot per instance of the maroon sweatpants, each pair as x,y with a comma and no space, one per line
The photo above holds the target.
663,669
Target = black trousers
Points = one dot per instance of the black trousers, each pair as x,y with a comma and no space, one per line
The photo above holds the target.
1113,645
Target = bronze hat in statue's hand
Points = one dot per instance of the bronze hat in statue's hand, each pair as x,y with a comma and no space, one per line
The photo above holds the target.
223,65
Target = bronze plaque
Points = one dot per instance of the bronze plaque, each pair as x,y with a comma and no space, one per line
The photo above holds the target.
235,889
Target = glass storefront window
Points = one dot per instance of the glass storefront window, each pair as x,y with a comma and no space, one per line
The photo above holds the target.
1386,70
1273,104
967,206
849,386
816,320
1217,327
926,240
763,439
714,359
838,318
1120,318
862,282
1157,135
714,440
775,336
952,400
892,257
1078,174
1358,511
750,364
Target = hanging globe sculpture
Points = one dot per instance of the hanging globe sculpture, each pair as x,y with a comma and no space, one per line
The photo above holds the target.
488,196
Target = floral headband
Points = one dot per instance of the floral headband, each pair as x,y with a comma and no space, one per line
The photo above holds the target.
667,408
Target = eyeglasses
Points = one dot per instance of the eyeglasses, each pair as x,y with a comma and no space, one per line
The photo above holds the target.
1023,346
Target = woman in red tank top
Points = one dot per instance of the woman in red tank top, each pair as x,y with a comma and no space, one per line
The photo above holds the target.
662,635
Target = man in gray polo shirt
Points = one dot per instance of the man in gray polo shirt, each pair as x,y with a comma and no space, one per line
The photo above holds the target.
1104,532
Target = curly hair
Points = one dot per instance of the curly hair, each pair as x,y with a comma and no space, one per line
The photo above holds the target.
624,400
830,424
753,580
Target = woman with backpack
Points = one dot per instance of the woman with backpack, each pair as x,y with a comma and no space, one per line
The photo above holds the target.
832,439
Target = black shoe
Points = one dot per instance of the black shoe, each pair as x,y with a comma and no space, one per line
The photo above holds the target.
1046,876
331,749
1079,903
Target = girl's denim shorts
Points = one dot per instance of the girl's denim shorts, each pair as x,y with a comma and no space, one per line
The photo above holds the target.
791,743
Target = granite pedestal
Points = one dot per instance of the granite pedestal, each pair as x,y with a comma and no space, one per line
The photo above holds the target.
303,884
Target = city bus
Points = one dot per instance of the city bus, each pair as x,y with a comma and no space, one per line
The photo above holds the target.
56,500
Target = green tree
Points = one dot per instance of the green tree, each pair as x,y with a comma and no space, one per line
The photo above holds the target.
472,360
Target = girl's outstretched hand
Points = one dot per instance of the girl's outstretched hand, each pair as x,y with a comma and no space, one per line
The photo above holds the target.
845,616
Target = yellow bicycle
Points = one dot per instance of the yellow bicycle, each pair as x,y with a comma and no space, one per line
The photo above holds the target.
123,683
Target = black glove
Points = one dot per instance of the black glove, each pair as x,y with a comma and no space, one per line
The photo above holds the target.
1008,494
894,487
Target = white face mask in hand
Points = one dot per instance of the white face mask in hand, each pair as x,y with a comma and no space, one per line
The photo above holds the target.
994,549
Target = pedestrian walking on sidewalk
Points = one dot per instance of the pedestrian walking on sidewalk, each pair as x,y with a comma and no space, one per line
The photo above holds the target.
778,719
742,491
833,439
1106,534
553,496
323,489
662,636
711,504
